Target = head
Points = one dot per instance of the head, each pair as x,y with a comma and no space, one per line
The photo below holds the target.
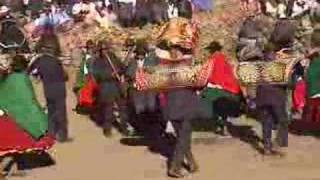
141,48
175,52
314,51
48,42
214,46
90,46
19,63
103,48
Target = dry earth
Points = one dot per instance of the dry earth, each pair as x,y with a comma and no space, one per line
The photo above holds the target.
91,156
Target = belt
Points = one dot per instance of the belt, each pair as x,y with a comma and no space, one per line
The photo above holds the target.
248,40
210,85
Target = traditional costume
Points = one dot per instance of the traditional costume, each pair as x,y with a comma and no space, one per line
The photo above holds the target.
221,96
49,68
312,111
106,70
24,125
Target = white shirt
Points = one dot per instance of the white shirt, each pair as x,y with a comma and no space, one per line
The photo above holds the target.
134,2
172,11
140,63
298,10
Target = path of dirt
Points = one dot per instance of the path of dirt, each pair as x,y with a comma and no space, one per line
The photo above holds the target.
92,157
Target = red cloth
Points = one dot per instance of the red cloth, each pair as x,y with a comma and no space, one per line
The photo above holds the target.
15,140
312,110
223,74
311,117
87,93
299,95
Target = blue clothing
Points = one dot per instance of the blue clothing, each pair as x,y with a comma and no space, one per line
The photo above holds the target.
204,5
53,19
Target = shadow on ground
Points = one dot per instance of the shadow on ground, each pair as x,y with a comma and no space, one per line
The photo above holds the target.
34,160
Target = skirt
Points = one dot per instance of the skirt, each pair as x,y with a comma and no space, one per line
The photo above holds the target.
15,140
217,102
311,117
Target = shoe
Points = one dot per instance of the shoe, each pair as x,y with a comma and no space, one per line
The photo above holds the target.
175,171
107,132
63,139
280,151
192,165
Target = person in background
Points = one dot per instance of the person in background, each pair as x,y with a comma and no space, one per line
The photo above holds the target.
107,69
311,114
180,114
50,70
203,5
223,90
271,102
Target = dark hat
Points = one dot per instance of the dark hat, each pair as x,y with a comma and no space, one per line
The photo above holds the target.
19,63
315,38
214,46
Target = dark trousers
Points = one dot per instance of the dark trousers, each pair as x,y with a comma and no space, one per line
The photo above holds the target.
104,114
182,146
58,125
271,115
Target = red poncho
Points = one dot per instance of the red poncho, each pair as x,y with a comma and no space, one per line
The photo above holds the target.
223,74
299,95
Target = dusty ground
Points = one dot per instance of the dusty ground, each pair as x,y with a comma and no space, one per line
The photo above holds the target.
91,156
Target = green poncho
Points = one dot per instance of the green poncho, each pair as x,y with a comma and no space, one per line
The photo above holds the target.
18,99
82,72
209,95
313,77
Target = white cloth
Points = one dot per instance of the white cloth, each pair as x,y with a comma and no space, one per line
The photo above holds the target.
134,2
140,63
26,2
316,96
4,9
172,11
270,9
281,11
214,86
170,128
298,10
2,113
85,67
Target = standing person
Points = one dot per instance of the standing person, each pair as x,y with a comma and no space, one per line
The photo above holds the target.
222,94
144,104
250,39
312,111
272,99
180,109
51,72
106,69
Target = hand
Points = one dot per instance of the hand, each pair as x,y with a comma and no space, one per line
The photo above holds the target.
122,79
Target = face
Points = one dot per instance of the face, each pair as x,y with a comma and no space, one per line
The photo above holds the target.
140,57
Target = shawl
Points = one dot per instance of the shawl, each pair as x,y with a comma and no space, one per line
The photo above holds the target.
18,99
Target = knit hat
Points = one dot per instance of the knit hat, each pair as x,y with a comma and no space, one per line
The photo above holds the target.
19,63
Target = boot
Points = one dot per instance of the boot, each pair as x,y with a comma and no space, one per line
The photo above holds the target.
192,165
107,132
175,170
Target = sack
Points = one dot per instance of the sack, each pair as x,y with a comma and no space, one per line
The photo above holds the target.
278,71
168,76
88,92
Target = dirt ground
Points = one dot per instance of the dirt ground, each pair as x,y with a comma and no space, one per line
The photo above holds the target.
92,156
